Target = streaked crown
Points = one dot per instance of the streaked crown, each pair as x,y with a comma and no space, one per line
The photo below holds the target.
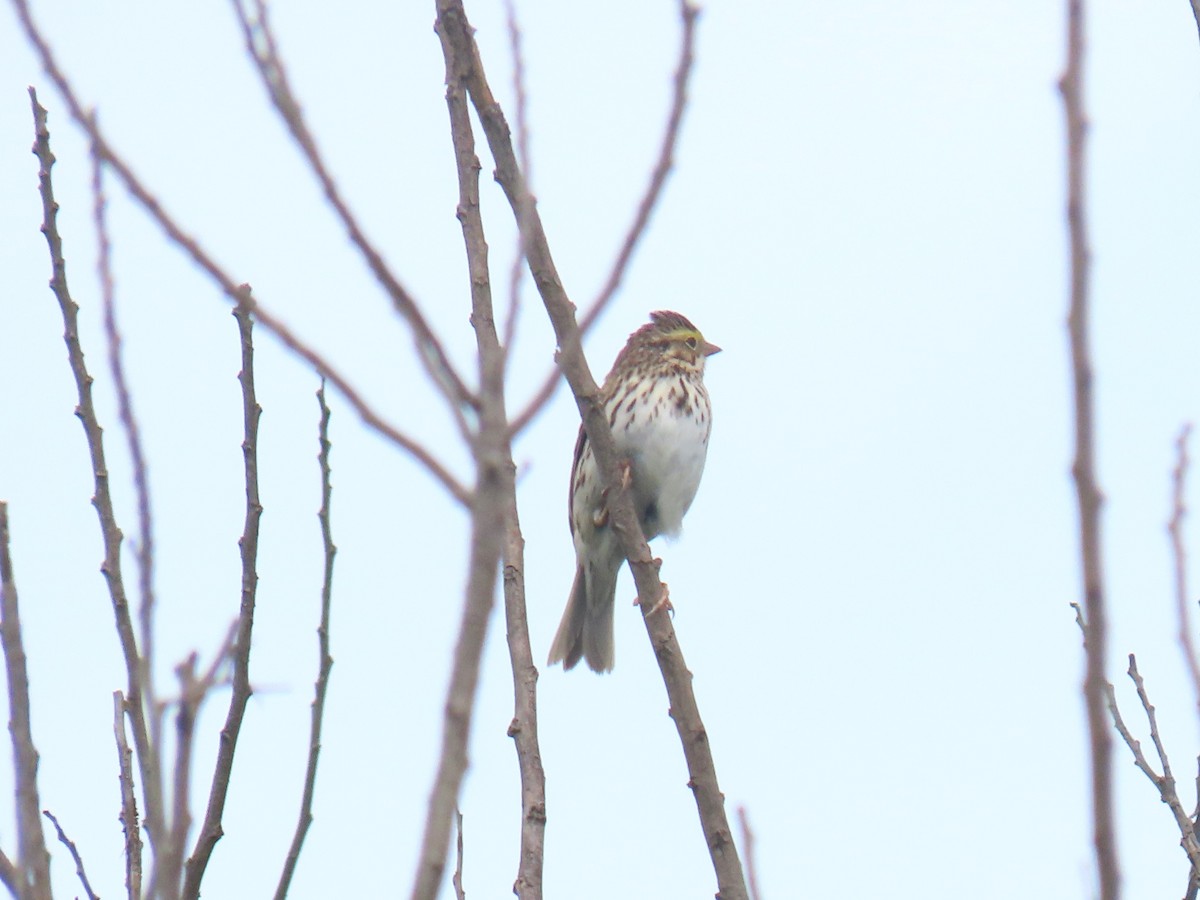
669,337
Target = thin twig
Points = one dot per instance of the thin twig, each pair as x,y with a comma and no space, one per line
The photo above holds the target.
1084,468
135,706
211,831
463,55
748,846
1165,783
264,52
145,543
74,851
658,178
495,484
230,286
169,862
33,861
129,813
324,659
517,271
459,892
193,691
1179,557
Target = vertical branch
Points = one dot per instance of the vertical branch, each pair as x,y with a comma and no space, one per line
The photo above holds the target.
524,726
129,813
748,846
325,660
135,701
1084,468
495,480
170,859
1179,556
518,265
457,879
211,831
33,862
145,544
493,484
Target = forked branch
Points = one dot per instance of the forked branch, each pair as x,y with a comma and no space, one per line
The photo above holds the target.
1164,781
463,55
688,15
494,485
524,727
263,50
230,286
136,705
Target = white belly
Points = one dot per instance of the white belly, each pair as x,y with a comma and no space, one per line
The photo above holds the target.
667,450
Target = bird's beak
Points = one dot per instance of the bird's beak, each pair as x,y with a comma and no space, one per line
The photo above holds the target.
710,349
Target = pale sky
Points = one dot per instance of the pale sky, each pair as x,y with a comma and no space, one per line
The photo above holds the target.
872,587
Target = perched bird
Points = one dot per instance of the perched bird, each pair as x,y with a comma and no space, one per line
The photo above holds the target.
661,418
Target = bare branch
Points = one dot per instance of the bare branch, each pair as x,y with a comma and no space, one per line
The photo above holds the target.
1179,556
658,178
135,705
211,831
463,55
748,846
457,880
74,851
264,51
518,266
325,660
145,543
33,863
1084,468
1165,783
8,875
524,727
227,283
169,861
129,813
528,884
495,484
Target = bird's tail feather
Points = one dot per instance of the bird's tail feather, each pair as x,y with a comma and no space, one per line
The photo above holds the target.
586,629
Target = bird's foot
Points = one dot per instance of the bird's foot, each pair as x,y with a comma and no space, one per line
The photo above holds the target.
664,602
625,467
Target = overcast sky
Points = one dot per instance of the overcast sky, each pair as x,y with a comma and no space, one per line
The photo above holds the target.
872,587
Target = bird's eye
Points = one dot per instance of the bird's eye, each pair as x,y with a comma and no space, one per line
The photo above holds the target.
691,342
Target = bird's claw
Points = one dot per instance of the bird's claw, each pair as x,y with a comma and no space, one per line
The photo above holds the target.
625,467
664,602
